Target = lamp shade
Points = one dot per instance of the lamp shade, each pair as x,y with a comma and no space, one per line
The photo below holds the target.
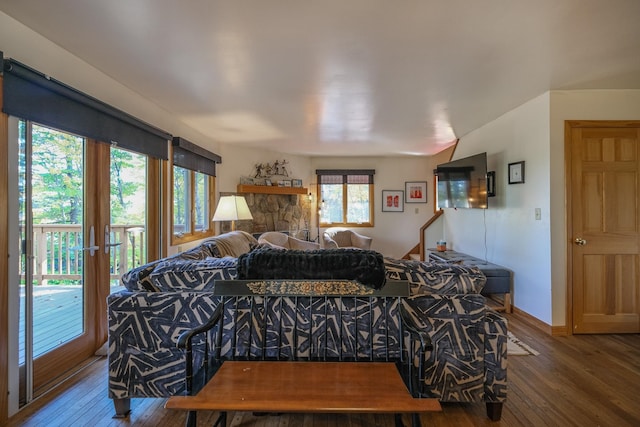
232,208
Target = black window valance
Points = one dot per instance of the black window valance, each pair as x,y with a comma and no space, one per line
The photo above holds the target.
190,156
345,176
31,95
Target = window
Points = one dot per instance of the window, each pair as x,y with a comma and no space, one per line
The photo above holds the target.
192,207
346,197
193,186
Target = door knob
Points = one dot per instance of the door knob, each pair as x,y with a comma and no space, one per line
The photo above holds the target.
107,238
92,248
580,241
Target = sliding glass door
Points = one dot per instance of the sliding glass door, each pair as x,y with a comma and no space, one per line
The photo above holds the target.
83,223
58,245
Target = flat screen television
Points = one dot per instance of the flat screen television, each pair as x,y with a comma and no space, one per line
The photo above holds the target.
462,183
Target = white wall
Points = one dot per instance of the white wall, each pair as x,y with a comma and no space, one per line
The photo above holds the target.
394,233
576,105
535,250
24,45
507,233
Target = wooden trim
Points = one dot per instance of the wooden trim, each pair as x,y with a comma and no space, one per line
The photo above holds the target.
193,235
433,219
601,124
98,214
569,126
165,192
4,262
154,208
568,129
455,147
270,189
560,331
533,321
435,179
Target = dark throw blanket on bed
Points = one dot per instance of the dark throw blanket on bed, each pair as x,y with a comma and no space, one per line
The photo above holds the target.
364,266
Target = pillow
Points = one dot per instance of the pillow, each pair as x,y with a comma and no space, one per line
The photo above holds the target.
137,279
198,275
365,266
427,278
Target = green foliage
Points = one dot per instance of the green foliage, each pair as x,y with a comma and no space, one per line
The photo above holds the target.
57,179
128,204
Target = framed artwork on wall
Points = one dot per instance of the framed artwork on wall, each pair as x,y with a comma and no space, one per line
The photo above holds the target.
516,173
415,191
392,201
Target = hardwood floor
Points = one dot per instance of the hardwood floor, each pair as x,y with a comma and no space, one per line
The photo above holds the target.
581,380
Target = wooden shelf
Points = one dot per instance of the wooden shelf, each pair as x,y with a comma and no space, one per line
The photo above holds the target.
270,189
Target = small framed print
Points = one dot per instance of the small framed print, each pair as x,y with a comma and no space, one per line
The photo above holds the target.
297,183
268,182
516,173
287,183
392,201
415,192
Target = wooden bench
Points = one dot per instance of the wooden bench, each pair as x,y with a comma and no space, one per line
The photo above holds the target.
316,380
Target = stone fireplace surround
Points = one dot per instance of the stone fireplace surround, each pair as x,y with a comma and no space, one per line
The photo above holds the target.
289,213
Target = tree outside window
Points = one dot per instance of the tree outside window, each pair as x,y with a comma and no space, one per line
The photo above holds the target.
346,197
192,205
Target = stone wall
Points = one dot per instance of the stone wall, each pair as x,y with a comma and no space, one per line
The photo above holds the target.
275,212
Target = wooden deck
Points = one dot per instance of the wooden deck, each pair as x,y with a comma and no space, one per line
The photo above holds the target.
57,317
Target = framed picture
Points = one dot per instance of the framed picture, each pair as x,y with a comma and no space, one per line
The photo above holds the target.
287,182
392,201
297,183
268,182
516,173
415,191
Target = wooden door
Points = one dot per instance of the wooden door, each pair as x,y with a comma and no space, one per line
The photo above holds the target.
604,226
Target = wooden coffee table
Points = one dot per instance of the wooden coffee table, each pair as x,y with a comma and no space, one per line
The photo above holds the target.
318,387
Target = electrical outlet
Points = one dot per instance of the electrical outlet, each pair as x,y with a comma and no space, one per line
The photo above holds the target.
179,248
538,214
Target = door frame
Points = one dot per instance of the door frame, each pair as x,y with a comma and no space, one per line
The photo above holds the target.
569,126
4,262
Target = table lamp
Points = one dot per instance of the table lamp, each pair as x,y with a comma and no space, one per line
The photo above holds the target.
232,208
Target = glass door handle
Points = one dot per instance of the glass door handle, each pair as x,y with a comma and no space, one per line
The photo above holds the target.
107,239
92,248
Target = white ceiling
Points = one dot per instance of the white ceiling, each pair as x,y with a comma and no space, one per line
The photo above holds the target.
345,77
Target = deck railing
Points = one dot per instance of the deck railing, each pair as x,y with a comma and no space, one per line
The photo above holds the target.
58,253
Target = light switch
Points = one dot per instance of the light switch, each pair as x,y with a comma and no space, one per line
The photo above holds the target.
417,210
538,214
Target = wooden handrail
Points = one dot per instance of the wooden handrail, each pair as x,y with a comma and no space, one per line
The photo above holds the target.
426,225
58,251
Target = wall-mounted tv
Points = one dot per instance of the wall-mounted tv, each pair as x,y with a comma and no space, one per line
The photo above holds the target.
462,183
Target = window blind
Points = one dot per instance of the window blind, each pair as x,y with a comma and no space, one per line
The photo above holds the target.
31,95
345,176
190,156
